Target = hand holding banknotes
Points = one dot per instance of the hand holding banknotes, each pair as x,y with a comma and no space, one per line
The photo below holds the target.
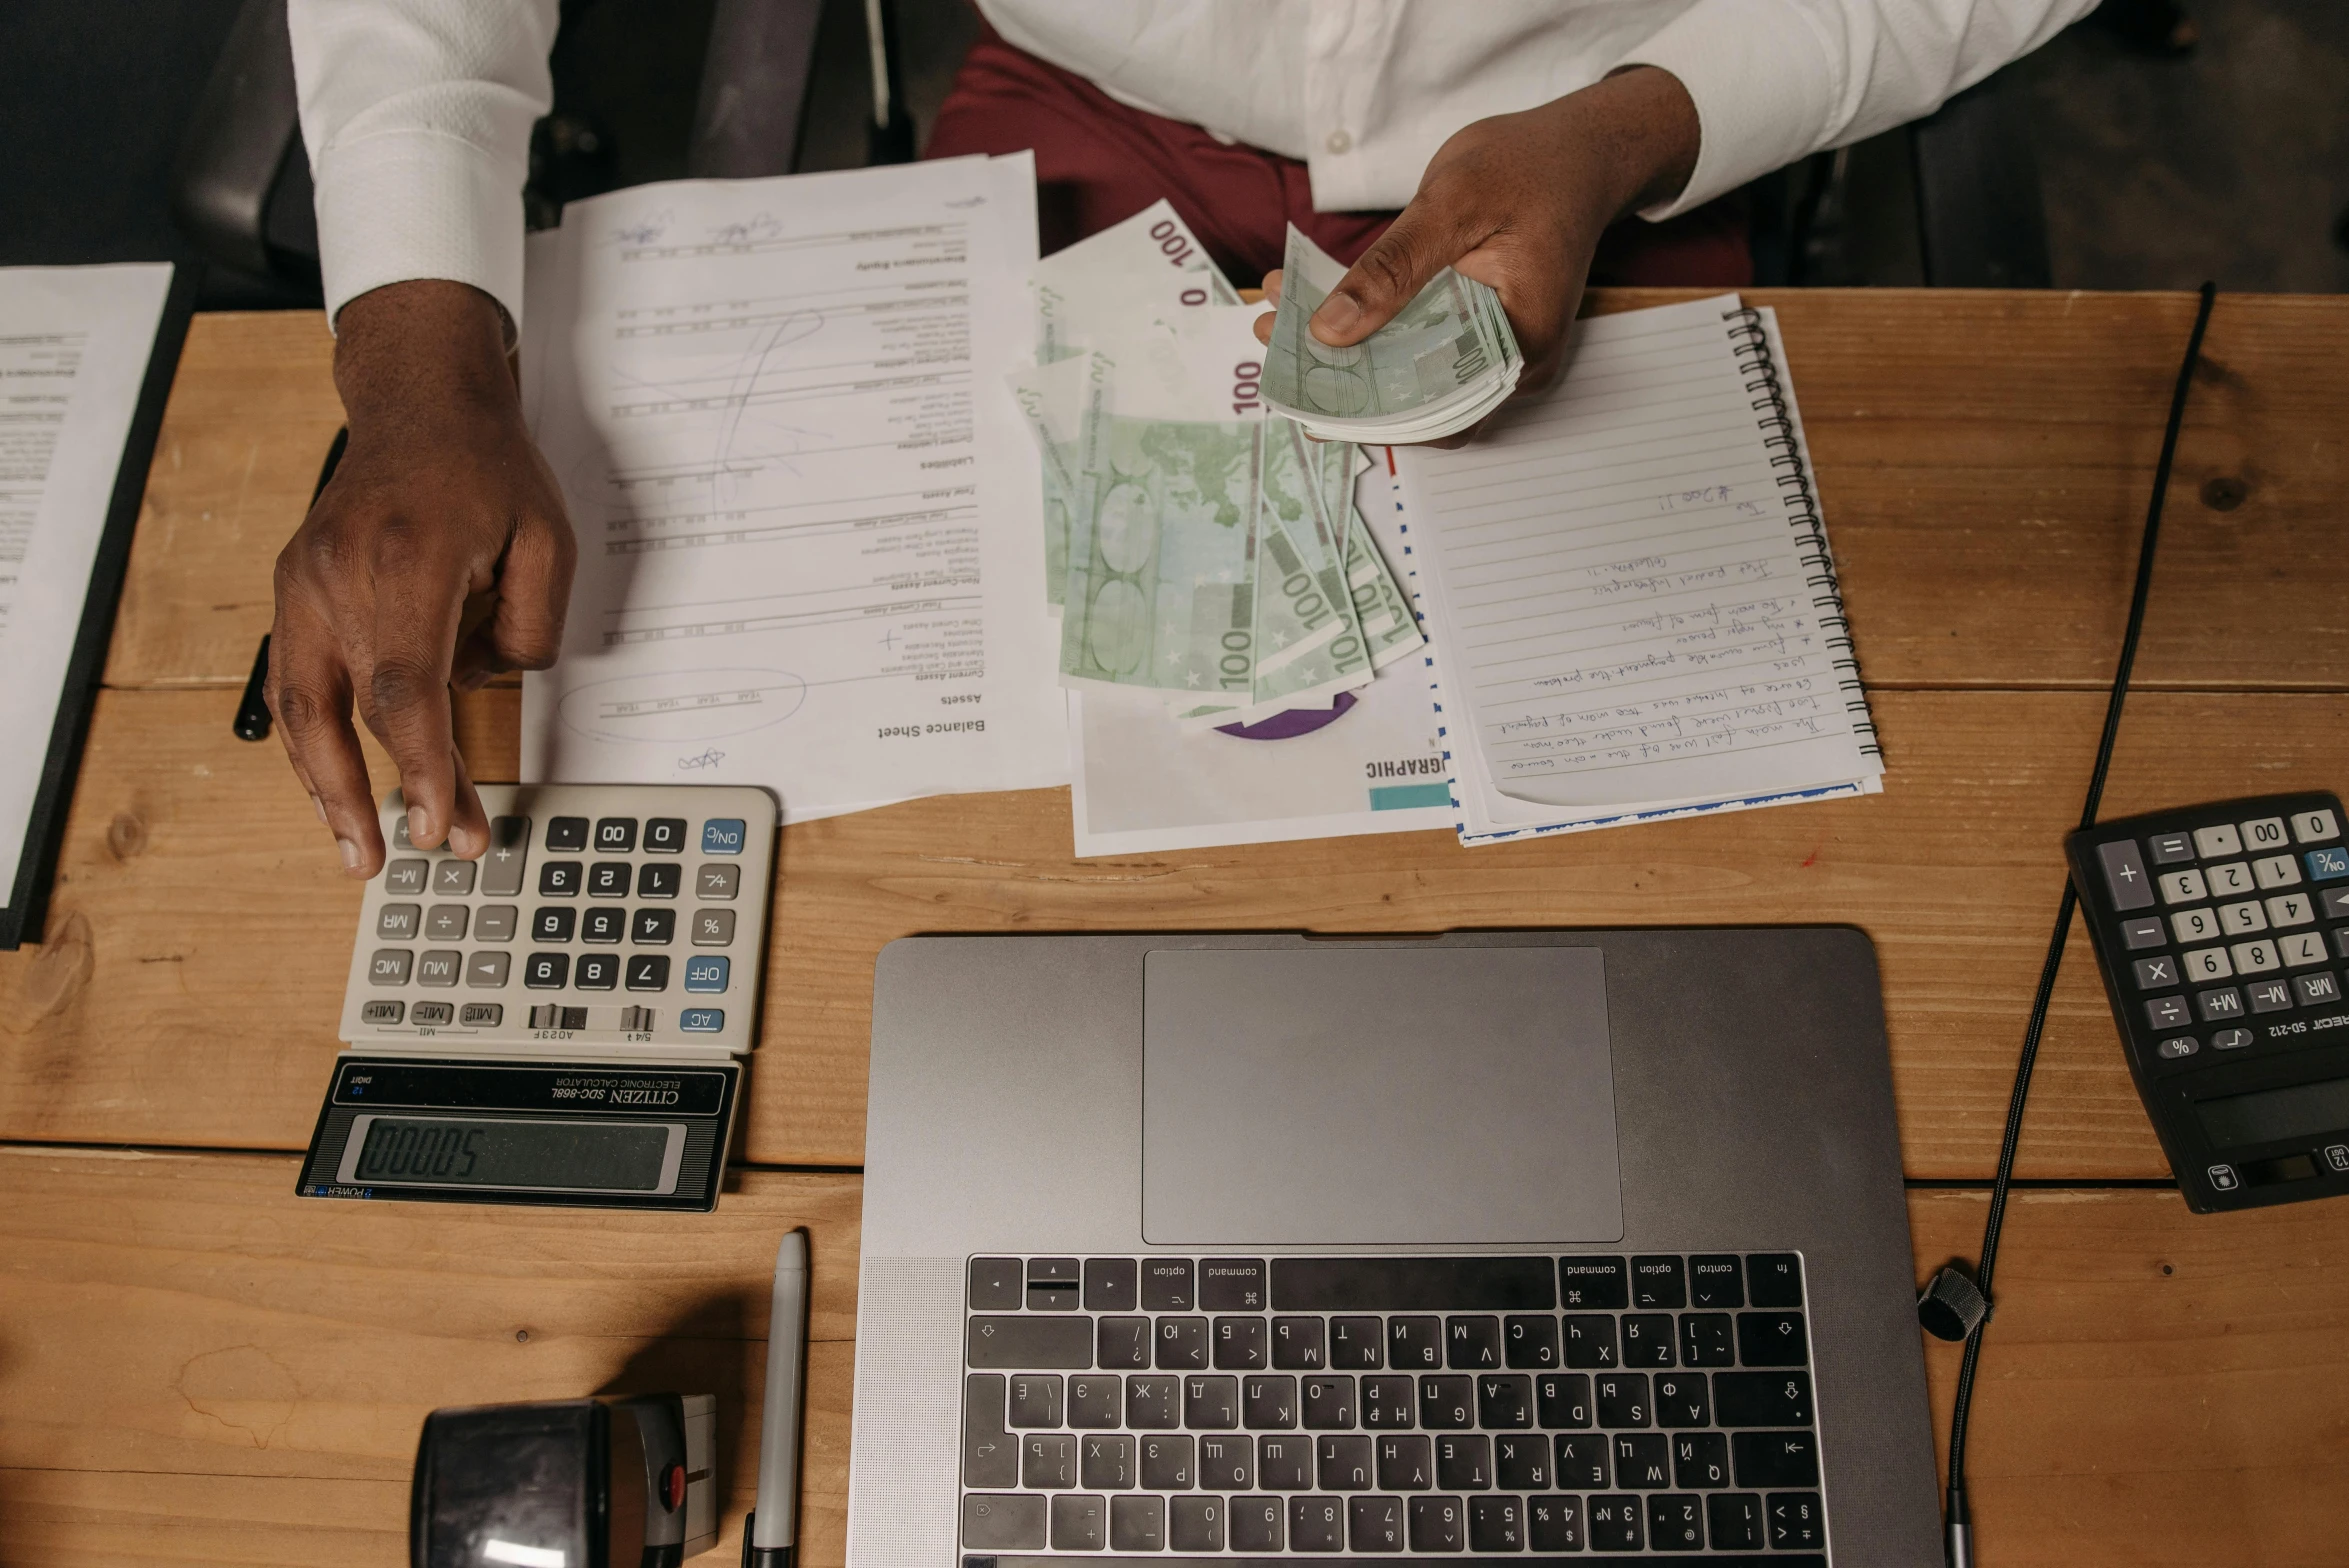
1402,347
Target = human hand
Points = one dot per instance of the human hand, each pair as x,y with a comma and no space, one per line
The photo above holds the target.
438,555
1518,202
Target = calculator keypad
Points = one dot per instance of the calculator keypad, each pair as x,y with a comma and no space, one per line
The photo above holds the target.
2223,941
581,901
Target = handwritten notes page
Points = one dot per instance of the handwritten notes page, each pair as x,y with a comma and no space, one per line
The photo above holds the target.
74,343
805,506
1631,603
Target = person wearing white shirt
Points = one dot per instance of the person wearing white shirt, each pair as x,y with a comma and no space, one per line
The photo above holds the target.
1503,137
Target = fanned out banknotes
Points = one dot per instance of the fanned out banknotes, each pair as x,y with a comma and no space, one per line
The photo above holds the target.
1193,545
1445,361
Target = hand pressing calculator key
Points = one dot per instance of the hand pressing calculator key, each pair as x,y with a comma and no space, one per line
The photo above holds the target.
2223,935
558,1021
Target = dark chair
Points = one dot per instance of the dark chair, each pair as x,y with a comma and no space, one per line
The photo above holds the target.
241,188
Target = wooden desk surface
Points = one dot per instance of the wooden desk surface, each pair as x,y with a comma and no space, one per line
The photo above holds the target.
197,1367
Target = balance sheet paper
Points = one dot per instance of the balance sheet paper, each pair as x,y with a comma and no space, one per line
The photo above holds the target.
805,505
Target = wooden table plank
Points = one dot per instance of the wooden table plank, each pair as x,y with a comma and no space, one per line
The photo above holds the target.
1984,459
188,1348
189,991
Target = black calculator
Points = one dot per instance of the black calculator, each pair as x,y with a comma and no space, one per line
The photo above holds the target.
2223,934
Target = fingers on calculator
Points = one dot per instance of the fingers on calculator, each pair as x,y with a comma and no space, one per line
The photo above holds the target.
597,915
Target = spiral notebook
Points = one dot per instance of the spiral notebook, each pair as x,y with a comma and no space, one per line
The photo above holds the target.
1630,602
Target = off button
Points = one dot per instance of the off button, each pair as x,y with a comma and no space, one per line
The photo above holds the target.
722,836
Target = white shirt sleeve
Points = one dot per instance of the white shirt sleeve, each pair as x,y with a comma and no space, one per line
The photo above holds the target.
417,115
1777,80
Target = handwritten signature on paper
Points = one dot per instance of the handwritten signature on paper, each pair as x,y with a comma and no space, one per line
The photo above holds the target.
708,759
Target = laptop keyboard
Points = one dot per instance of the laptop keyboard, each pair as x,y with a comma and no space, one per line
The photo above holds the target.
1191,1407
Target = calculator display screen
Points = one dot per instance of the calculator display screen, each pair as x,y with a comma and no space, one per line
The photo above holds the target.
546,1155
2272,1115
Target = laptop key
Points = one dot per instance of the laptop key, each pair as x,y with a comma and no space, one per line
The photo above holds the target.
1122,1342
1504,1402
1472,1344
1590,1341
1643,1460
1388,1401
1734,1522
1496,1524
1094,1403
1553,1524
1774,1279
1593,1284
1355,1344
1530,1341
1617,1524
1374,1524
1154,1402
1079,1523
1769,1459
1137,1524
1464,1464
1195,1524
1231,1284
1012,1343
1562,1400
1772,1339
1106,1463
1317,1524
1268,1403
1182,1344
990,1458
1227,1464
1166,1285
1048,1460
1342,1464
1705,1340
1300,1344
1659,1282
1328,1404
1284,1464
1521,1462
1035,1401
1111,1285
1168,1461
1622,1399
1682,1400
1795,1520
1414,1343
1647,1339
1716,1280
1240,1344
1582,1462
1003,1522
1211,1404
1438,1524
1447,1404
1700,1461
1406,1463
1257,1524
1761,1399
1676,1523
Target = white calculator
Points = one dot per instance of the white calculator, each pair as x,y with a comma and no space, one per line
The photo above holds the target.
561,1020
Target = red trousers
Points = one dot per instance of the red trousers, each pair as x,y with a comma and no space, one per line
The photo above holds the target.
1099,161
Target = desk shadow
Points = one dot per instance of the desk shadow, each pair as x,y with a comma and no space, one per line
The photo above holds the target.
705,1349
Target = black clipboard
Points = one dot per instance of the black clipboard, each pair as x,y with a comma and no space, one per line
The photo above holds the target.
28,902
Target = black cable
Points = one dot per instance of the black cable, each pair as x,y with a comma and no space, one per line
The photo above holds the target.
1957,1524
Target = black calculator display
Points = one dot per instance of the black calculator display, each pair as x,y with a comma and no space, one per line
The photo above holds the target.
2223,935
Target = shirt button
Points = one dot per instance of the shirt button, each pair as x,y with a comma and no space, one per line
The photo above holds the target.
1338,141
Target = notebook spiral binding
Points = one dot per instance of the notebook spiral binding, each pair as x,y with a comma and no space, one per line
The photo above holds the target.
1751,344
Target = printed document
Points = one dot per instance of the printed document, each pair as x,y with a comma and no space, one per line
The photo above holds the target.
74,343
805,504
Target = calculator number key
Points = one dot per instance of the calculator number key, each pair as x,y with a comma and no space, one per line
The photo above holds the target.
2266,833
596,972
2195,925
615,835
553,924
648,972
547,971
605,923
654,927
2301,949
2253,958
2208,963
2183,887
2276,871
664,836
2242,919
2292,909
2233,878
2314,827
609,879
559,879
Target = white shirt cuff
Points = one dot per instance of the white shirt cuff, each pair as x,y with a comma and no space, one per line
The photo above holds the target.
405,204
1763,83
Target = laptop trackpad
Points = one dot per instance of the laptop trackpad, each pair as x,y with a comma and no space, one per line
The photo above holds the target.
1377,1096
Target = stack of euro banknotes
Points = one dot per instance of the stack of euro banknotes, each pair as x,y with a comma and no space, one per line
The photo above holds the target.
1201,537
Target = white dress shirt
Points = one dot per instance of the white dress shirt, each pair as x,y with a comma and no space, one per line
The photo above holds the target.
418,112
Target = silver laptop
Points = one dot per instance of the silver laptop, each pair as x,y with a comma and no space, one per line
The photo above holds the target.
1587,1245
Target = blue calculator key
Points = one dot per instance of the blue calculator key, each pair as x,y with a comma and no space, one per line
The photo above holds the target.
702,1020
706,974
723,836
2324,865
